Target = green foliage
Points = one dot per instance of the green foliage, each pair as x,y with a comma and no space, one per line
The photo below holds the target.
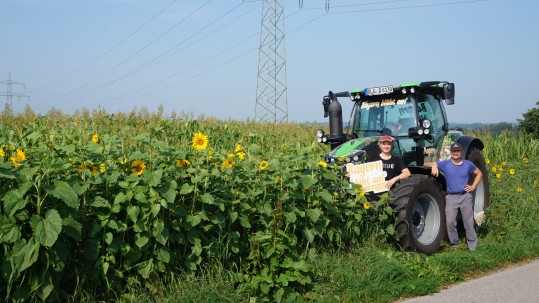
530,123
114,202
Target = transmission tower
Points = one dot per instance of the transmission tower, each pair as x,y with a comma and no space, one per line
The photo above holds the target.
9,94
271,89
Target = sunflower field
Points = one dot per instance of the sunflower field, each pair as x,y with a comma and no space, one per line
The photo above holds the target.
98,201
107,203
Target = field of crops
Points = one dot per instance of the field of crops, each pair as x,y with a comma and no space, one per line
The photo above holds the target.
116,202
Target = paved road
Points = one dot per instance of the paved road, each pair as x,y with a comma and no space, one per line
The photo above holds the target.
518,283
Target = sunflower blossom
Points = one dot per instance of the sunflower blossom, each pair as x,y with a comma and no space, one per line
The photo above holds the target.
102,167
487,161
238,148
498,176
18,158
512,171
138,167
494,169
200,141
322,164
367,205
182,163
535,182
519,189
240,154
2,153
229,161
264,165
95,138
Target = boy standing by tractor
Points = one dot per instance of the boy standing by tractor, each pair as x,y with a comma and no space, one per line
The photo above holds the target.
456,172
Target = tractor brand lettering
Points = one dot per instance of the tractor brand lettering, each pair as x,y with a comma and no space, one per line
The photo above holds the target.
370,105
384,102
370,175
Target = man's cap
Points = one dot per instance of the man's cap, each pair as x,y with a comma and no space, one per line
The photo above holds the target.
386,138
456,146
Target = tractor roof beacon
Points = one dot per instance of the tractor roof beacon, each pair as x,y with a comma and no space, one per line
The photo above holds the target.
414,115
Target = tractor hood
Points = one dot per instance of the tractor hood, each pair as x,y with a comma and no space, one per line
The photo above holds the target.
354,151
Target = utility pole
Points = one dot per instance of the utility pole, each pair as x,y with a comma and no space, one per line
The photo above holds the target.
271,86
9,94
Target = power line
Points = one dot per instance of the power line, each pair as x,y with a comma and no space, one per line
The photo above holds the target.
132,55
108,51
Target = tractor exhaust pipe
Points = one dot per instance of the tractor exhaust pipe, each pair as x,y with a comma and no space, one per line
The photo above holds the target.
333,109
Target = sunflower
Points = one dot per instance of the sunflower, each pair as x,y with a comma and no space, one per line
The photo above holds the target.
277,179
367,205
2,153
92,169
498,176
359,191
512,171
535,182
494,169
341,159
238,148
229,161
487,161
138,167
264,165
200,141
322,164
102,167
18,158
525,160
95,138
240,154
519,189
182,163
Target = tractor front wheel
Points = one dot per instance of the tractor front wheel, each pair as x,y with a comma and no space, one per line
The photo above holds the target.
420,207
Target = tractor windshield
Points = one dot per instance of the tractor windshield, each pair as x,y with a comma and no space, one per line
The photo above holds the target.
386,115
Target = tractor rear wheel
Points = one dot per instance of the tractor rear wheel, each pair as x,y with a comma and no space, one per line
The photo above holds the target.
420,207
481,195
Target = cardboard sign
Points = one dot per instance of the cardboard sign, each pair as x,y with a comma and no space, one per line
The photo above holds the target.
370,175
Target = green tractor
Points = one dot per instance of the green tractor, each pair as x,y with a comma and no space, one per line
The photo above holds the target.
414,115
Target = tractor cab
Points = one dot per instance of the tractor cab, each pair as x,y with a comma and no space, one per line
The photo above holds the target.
412,113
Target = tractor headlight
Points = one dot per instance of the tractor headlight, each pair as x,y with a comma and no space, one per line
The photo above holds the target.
420,131
355,158
319,140
427,131
319,133
412,90
426,123
404,91
324,139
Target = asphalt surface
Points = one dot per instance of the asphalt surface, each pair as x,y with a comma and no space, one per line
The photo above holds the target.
518,283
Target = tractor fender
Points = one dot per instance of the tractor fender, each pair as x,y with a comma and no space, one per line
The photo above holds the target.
467,142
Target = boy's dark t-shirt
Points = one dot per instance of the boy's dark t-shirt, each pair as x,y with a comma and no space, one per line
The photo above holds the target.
393,166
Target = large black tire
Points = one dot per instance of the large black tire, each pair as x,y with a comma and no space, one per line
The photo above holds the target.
420,206
481,195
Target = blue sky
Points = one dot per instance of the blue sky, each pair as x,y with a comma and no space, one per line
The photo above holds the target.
201,57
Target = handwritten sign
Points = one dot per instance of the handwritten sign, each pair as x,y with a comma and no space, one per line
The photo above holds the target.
370,175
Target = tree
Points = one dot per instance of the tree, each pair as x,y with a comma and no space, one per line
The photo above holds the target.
530,124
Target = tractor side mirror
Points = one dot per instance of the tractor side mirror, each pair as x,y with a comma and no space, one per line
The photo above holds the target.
325,102
449,93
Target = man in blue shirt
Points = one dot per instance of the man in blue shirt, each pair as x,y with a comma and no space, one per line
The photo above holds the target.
456,172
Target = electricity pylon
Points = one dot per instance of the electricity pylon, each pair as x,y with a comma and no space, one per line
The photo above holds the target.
9,94
271,87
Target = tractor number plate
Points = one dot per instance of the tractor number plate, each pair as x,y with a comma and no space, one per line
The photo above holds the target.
373,91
